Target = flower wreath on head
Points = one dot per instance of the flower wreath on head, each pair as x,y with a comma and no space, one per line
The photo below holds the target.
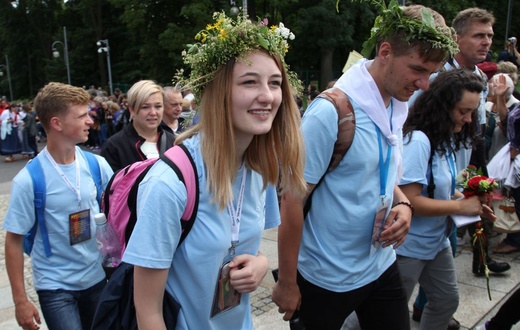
228,39
391,21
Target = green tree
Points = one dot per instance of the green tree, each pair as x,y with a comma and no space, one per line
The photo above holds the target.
324,36
26,28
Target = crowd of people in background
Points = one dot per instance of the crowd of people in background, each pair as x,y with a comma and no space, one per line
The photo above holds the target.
21,129
331,268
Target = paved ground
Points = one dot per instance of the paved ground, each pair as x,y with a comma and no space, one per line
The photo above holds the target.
474,306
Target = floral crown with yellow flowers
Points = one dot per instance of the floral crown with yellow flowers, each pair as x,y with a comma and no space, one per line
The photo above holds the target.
391,21
228,39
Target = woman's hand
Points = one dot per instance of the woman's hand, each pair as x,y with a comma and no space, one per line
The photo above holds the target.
247,271
474,206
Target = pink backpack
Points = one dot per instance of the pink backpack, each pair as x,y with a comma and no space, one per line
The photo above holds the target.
120,197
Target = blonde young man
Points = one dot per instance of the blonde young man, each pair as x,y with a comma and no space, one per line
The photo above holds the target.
70,280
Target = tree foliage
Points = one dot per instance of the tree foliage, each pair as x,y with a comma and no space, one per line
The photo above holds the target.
147,36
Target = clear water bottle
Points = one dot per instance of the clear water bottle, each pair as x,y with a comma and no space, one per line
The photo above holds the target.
107,242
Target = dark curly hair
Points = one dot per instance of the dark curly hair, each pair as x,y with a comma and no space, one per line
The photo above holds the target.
431,112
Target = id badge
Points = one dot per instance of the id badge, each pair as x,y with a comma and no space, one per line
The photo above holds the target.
79,227
379,223
225,297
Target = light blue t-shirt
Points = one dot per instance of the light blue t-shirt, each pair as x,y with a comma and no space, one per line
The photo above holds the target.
427,235
335,248
70,267
195,264
463,155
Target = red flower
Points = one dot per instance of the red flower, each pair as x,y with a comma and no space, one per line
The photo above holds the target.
474,182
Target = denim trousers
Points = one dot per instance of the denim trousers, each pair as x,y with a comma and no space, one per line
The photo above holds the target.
380,304
438,279
70,310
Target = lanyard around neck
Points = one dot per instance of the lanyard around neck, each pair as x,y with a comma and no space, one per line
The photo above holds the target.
384,166
236,214
75,189
451,165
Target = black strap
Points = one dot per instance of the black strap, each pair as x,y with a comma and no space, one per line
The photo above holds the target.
162,145
431,182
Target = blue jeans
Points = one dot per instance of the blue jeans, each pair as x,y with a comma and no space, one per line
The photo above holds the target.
70,310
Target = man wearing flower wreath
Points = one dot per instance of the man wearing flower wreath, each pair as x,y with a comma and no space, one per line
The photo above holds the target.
329,265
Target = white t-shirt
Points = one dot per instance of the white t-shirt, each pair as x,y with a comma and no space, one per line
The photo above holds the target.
150,150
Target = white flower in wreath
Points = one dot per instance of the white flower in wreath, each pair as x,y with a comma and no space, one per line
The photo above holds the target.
284,32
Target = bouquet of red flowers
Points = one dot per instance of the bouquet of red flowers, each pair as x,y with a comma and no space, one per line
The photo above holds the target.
473,183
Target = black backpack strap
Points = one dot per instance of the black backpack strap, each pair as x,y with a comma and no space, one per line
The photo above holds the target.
431,182
162,143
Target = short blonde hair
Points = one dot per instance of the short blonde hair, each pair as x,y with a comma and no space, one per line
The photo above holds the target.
141,91
186,105
462,22
508,68
113,106
55,100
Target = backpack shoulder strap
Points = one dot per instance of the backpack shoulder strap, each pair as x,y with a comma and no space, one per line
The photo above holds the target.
346,124
95,171
346,130
431,181
38,179
180,160
162,143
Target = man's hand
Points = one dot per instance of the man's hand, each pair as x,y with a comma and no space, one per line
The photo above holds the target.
287,297
396,226
27,315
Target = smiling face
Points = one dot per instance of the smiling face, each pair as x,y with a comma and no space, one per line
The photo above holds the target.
461,114
256,95
149,115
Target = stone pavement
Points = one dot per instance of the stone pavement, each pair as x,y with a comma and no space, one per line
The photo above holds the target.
474,307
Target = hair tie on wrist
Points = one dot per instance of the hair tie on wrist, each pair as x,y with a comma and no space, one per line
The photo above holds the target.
407,204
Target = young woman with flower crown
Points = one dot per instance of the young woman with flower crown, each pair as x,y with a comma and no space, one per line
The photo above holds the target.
248,136
439,122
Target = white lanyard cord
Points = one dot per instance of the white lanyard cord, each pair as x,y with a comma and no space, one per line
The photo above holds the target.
76,189
236,214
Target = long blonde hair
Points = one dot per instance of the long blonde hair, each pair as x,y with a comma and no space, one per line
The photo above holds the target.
277,155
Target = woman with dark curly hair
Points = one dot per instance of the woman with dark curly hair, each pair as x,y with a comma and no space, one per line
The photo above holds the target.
442,120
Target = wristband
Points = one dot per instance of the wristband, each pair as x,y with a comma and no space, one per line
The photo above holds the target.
407,204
